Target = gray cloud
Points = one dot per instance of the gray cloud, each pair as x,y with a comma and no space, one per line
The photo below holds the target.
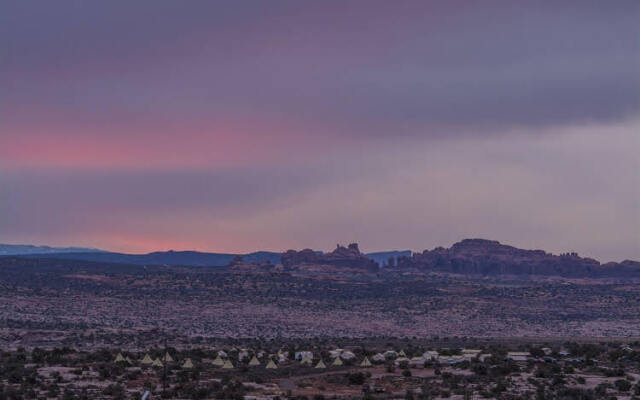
356,68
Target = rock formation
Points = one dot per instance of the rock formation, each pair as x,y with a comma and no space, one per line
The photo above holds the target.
349,256
239,264
487,257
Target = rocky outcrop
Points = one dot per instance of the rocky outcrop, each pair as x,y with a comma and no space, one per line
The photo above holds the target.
292,258
349,257
239,264
472,257
487,257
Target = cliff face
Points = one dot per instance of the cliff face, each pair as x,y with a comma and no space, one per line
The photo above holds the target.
472,257
486,257
349,256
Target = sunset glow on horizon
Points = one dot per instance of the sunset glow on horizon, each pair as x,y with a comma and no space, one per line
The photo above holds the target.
243,126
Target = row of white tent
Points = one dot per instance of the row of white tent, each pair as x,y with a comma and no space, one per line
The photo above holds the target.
157,362
336,362
283,355
227,364
306,358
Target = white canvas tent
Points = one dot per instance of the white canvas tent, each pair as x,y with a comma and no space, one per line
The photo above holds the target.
254,362
218,362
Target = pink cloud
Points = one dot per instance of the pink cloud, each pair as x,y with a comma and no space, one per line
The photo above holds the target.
221,144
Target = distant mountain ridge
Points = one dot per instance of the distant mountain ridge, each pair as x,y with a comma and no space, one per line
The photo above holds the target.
172,258
22,249
469,257
388,258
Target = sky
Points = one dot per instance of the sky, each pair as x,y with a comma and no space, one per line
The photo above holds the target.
236,126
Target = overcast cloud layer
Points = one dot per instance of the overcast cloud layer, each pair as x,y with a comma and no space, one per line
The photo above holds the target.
270,125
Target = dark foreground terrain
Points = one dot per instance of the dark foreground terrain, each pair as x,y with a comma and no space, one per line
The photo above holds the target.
317,369
69,302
